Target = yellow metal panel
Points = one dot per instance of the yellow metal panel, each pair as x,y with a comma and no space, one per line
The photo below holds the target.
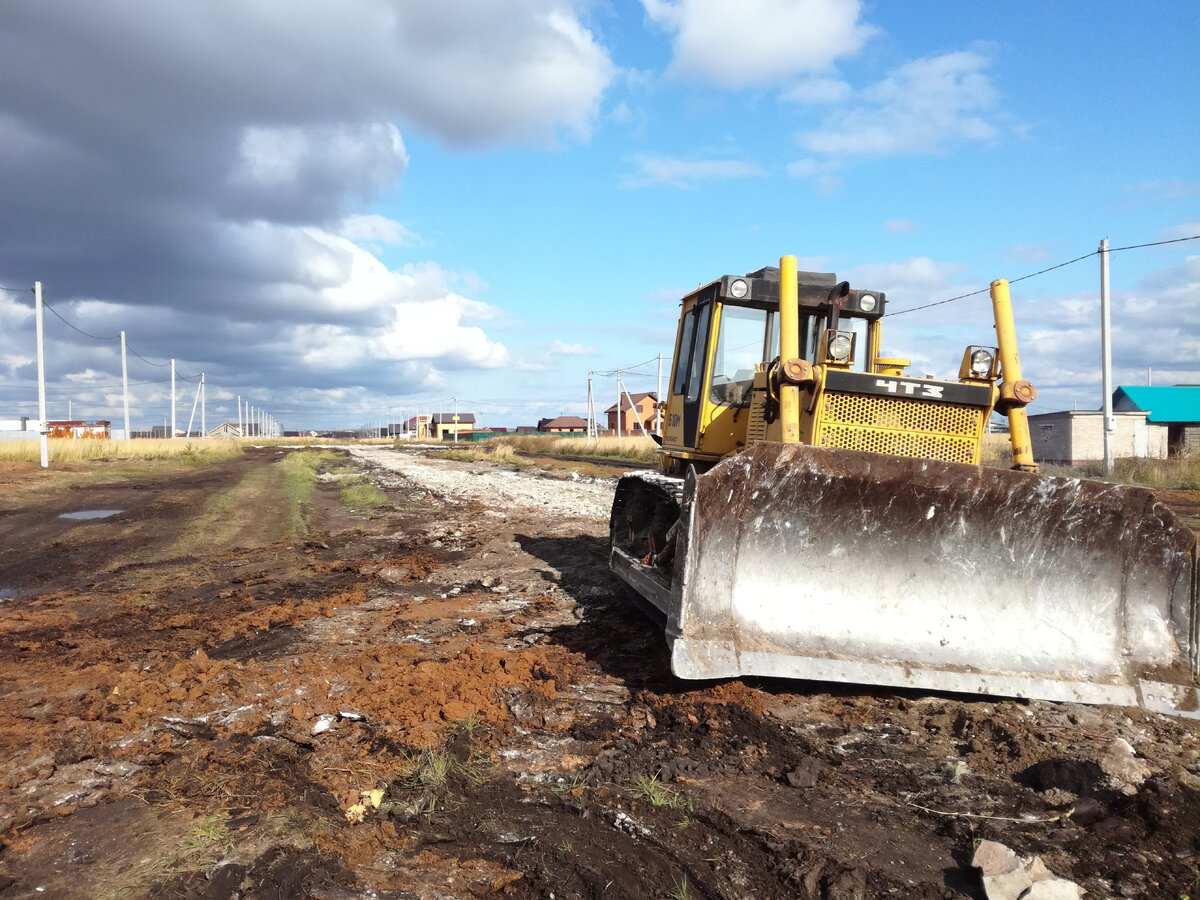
901,427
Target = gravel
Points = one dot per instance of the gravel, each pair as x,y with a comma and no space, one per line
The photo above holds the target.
499,488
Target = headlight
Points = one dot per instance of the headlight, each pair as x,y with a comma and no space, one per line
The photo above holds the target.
867,302
981,363
738,289
839,347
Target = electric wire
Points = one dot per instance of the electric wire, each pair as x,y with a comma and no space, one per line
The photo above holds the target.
94,337
1060,265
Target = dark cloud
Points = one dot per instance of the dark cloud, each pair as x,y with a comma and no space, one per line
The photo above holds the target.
192,164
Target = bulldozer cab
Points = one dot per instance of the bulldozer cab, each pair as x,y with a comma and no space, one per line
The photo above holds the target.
729,334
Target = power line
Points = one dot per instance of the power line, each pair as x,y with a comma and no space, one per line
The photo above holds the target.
15,290
1060,265
94,337
143,359
1194,237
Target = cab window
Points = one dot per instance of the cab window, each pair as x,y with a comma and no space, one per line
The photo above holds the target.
741,345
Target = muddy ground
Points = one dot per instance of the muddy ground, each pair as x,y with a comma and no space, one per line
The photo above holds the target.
231,690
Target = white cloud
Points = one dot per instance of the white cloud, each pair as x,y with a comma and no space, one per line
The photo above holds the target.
687,173
1030,252
918,279
1182,230
821,171
561,348
921,107
757,42
377,231
899,226
1161,190
817,90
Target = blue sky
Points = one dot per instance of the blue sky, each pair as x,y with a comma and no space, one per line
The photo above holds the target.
487,204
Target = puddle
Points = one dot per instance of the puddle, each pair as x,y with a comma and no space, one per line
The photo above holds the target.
7,594
90,514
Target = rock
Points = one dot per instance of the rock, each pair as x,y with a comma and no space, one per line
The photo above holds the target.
395,574
1053,889
324,723
1189,781
1126,773
1007,876
806,774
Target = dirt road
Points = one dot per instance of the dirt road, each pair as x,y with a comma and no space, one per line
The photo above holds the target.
234,687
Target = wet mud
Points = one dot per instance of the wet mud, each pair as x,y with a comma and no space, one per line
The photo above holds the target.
450,698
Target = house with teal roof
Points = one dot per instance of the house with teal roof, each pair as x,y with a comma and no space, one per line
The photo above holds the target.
1177,407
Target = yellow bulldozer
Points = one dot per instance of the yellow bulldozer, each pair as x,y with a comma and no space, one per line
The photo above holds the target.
823,514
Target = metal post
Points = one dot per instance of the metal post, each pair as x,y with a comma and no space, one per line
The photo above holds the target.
44,439
70,413
658,400
241,431
125,387
1110,423
195,403
203,407
172,434
789,348
455,419
1015,392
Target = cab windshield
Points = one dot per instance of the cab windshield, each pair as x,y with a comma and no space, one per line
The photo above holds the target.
741,345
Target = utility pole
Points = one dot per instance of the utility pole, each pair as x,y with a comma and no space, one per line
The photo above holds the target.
70,414
172,434
455,399
1110,425
591,426
44,439
619,410
203,407
125,387
658,400
195,403
241,430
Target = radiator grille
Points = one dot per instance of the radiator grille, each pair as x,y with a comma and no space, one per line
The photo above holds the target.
907,427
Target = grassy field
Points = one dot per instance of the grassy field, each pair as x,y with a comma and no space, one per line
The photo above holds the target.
64,450
627,449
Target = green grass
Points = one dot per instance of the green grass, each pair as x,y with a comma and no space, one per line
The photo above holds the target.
300,480
659,794
434,769
364,496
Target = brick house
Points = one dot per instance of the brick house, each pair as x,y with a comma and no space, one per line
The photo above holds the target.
642,410
563,425
1076,437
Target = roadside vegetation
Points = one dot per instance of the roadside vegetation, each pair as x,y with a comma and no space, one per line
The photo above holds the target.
364,495
634,449
300,480
65,450
1177,473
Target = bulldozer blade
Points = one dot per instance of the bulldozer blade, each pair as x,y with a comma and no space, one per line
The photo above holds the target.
834,565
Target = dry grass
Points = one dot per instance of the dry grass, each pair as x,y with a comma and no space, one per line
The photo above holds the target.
64,450
492,451
1177,473
636,449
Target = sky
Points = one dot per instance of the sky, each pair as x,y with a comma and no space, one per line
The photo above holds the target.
350,212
